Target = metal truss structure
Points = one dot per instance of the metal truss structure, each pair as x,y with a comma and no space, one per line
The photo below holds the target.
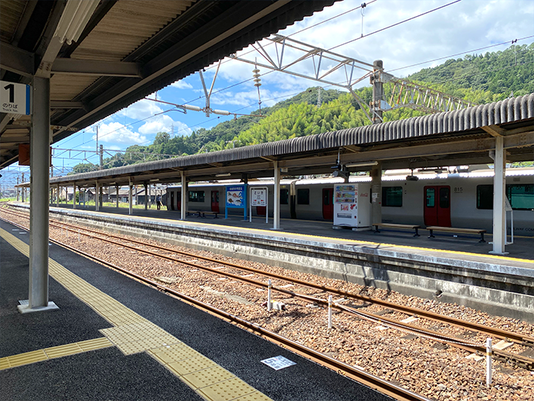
415,96
324,63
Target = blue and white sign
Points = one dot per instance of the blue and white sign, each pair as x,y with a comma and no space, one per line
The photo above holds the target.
15,98
236,197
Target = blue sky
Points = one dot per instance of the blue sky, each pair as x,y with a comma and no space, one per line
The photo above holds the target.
424,41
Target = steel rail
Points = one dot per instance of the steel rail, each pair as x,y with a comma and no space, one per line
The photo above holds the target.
499,333
525,362
359,375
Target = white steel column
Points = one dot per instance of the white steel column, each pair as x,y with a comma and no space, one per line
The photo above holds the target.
276,211
117,194
97,196
74,196
146,196
39,186
57,195
376,194
499,187
183,200
130,197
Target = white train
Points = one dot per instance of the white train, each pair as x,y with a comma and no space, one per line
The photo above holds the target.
459,199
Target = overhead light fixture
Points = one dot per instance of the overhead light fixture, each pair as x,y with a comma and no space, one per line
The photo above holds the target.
362,164
341,173
223,175
154,180
74,18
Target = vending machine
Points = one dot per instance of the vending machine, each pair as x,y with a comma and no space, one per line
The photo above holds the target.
352,206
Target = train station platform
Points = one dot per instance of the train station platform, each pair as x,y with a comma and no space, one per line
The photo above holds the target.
114,338
451,268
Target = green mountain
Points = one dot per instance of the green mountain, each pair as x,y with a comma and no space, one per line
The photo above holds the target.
477,78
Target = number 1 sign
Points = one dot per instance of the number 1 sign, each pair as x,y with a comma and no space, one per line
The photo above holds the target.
14,98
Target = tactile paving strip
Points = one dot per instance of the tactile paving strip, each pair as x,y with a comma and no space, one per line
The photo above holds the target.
53,352
133,334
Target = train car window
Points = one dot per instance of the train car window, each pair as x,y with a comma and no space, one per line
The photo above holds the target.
521,196
485,197
303,196
196,196
392,196
444,198
284,196
430,197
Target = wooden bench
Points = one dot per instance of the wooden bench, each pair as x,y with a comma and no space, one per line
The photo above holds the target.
457,230
399,226
202,213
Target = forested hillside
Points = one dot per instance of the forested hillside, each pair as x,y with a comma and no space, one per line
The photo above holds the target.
480,79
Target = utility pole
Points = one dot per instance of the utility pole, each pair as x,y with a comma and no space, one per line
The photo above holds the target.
378,92
376,116
101,157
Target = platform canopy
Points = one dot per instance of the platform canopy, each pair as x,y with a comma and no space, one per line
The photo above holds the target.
455,138
103,56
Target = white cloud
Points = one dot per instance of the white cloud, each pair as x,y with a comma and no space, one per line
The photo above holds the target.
116,132
164,123
141,109
181,85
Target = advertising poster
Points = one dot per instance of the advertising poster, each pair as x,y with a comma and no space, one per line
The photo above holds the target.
235,196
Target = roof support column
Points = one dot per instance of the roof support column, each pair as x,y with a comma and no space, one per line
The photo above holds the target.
276,197
39,185
146,195
499,187
130,197
97,196
81,192
117,195
57,195
183,200
74,196
376,193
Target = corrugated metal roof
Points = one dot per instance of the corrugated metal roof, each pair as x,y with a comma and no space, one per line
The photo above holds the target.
508,111
161,41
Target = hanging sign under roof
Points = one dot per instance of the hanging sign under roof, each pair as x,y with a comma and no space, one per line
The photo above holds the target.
15,98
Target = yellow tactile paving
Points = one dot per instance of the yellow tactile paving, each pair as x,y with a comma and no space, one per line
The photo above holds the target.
132,333
53,352
227,390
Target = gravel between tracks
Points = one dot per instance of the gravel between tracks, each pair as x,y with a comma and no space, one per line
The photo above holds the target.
421,365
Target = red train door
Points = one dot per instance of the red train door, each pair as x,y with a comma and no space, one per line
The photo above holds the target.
438,206
215,201
328,205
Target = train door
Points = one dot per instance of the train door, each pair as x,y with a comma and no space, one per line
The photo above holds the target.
215,201
178,200
172,200
438,206
328,204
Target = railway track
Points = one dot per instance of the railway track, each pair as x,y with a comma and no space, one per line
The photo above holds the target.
519,360
359,375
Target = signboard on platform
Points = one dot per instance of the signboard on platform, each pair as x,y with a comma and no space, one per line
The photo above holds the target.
236,197
15,98
259,197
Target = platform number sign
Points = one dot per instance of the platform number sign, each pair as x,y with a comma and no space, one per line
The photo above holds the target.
15,98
